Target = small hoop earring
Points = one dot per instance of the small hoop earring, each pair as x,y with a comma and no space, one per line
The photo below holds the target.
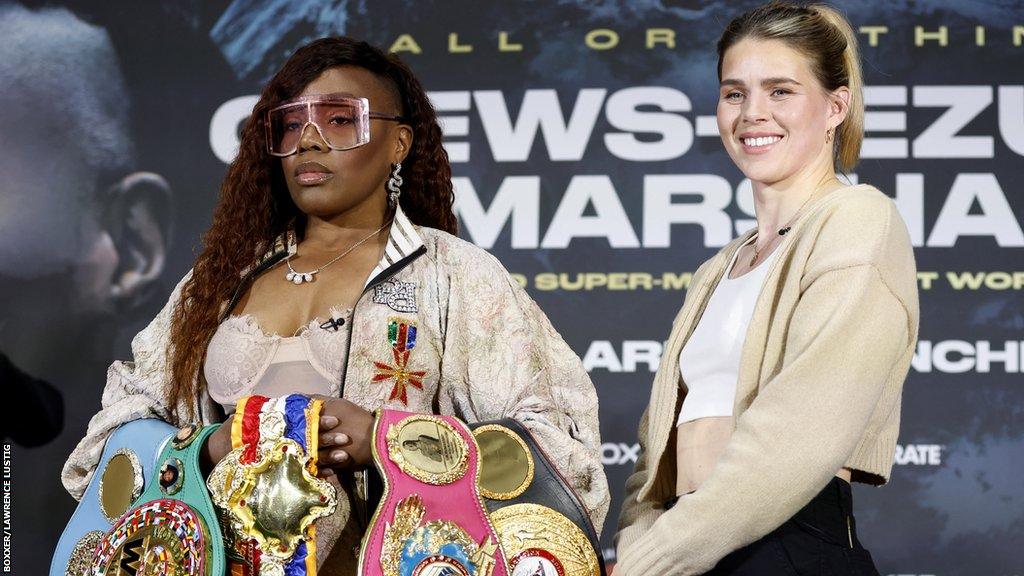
395,184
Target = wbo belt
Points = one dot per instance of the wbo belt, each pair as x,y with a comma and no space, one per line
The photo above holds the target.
267,488
431,520
543,527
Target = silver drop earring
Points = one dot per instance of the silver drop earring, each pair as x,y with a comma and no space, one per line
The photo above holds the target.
395,184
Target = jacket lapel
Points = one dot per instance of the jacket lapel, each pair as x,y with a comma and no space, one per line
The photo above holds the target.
665,395
403,241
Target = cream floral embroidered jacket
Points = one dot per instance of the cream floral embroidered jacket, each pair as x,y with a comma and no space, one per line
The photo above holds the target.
479,348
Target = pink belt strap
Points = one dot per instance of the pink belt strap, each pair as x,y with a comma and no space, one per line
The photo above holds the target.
431,520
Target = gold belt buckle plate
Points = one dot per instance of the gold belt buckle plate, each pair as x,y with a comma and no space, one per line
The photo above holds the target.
272,500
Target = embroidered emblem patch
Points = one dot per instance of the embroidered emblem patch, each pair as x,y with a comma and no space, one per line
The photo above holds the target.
399,296
402,336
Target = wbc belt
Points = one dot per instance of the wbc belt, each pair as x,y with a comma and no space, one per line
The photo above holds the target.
268,489
431,520
129,460
173,532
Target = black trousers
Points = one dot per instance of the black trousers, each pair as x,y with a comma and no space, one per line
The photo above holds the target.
819,540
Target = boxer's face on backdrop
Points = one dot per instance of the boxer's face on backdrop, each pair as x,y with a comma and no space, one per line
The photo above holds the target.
773,114
355,178
77,229
49,209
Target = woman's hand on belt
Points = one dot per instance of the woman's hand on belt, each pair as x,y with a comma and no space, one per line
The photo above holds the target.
346,434
216,447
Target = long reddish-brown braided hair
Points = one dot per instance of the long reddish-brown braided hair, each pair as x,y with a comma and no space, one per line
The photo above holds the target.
255,209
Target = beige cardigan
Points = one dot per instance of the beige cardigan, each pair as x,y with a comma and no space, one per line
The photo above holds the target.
819,388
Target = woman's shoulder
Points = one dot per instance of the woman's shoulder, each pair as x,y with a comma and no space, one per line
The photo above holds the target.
467,275
862,203
858,224
457,256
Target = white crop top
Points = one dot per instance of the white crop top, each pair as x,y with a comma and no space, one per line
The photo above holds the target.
242,360
709,362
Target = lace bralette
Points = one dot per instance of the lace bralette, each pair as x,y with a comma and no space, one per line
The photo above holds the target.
242,360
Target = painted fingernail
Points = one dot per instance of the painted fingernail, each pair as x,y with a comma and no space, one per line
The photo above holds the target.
341,439
329,421
339,455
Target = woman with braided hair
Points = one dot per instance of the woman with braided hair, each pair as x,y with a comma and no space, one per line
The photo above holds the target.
332,270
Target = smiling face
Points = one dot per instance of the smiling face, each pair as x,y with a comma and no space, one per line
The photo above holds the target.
327,183
773,114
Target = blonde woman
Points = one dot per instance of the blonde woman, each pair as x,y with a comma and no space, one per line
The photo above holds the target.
782,377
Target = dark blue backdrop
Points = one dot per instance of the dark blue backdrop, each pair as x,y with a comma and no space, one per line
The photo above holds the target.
584,146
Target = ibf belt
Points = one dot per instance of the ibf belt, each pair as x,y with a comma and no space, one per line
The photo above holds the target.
267,485
431,520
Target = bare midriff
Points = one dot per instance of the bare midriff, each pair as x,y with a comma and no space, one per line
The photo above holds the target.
699,445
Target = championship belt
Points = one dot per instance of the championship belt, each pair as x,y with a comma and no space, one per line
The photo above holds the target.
128,459
431,520
267,486
174,531
542,524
